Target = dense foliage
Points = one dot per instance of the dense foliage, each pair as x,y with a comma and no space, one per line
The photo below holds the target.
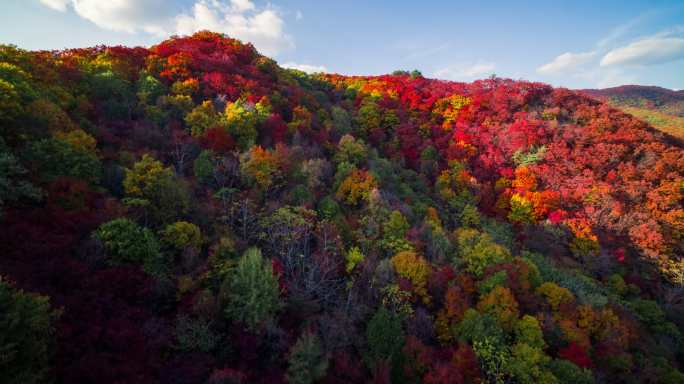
197,213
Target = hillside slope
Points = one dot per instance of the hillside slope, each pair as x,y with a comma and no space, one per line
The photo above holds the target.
660,107
194,213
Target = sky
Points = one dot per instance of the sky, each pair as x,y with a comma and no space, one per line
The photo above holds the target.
574,44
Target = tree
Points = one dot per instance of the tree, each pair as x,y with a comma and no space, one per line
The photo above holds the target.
521,210
567,372
385,338
260,168
501,304
53,158
555,295
394,233
27,339
307,361
356,187
203,117
478,251
287,232
182,235
354,256
242,119
528,365
13,183
149,180
254,293
126,242
195,334
317,173
351,151
528,331
415,269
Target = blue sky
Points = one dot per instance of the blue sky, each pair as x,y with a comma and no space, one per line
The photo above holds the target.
577,44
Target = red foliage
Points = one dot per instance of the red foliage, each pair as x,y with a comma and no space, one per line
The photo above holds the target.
576,354
218,140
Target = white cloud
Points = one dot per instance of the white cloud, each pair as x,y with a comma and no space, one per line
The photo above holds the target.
240,19
647,51
263,28
58,5
299,15
242,5
305,67
565,62
124,15
461,72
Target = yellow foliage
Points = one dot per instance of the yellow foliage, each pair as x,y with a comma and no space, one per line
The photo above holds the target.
500,303
449,108
78,139
261,167
443,328
144,177
356,187
555,295
416,269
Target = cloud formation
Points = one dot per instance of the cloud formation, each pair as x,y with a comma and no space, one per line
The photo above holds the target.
305,67
648,51
565,62
264,28
58,5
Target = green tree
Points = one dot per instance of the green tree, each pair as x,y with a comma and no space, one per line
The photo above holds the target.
195,334
353,257
203,167
341,120
351,150
182,235
307,361
254,294
149,88
567,372
394,233
53,158
27,336
528,365
477,250
13,183
203,117
528,331
128,243
385,337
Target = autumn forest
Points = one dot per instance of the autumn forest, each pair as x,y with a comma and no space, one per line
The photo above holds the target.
194,213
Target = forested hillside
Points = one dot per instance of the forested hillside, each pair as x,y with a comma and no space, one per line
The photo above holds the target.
194,213
660,107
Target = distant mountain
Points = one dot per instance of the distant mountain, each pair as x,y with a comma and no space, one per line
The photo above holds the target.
661,107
